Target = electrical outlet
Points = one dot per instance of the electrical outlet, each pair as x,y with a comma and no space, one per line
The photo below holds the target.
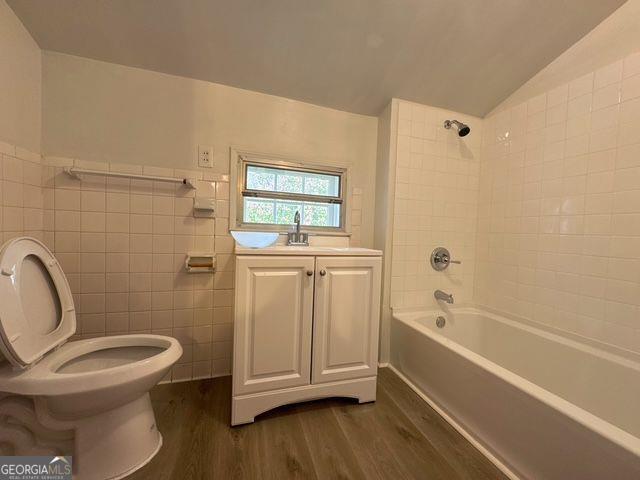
205,156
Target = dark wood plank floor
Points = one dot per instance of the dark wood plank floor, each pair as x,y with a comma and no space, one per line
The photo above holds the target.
397,437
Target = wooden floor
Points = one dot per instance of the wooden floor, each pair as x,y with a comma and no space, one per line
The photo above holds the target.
397,437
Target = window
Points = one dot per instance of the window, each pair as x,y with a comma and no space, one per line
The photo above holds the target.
270,192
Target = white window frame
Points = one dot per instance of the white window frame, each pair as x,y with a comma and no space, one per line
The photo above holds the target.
239,161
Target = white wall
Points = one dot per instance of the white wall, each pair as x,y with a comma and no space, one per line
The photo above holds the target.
20,83
614,38
99,111
122,244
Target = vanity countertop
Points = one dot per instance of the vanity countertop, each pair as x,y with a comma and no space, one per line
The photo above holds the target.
315,251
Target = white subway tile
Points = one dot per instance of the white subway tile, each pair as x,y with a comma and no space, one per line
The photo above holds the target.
581,86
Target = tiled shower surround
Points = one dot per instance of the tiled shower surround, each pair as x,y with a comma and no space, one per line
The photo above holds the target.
545,214
436,190
122,244
559,207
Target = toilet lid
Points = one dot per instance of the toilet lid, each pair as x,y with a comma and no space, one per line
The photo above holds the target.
36,306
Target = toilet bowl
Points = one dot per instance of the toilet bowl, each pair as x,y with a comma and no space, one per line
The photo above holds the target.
96,390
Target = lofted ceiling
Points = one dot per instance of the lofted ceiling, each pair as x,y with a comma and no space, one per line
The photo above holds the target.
352,55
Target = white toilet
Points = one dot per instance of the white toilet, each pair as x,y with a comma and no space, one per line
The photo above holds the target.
89,396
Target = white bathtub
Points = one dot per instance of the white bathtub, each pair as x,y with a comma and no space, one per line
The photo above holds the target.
540,405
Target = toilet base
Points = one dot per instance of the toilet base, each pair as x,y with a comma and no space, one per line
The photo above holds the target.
138,467
111,444
117,442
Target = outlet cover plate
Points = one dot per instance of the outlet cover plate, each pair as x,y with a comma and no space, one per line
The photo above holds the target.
205,156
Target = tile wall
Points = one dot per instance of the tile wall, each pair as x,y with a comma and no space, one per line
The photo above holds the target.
122,245
21,199
559,207
435,204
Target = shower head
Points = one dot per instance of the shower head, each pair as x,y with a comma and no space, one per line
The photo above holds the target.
463,129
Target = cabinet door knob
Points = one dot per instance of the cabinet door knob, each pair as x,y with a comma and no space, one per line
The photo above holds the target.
309,273
323,273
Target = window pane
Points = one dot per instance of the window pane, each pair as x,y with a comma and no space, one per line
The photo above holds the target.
259,211
273,179
282,212
290,183
285,212
261,179
326,185
316,214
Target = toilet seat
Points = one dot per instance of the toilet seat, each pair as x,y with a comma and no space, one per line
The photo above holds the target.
33,292
45,378
34,333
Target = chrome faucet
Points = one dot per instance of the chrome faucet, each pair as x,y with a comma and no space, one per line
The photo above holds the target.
297,238
440,295
296,220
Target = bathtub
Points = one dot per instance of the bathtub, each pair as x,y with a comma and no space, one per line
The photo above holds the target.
538,404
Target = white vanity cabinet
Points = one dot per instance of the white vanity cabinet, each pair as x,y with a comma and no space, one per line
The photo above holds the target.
306,327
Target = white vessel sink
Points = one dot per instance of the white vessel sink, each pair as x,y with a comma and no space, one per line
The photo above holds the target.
254,239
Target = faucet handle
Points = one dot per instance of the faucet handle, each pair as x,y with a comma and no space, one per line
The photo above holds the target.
457,262
441,258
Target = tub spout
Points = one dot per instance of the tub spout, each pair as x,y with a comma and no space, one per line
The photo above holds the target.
440,295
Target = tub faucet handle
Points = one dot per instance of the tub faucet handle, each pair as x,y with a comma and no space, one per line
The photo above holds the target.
441,258
448,260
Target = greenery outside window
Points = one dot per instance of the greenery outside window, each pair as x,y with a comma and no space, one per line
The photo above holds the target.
270,192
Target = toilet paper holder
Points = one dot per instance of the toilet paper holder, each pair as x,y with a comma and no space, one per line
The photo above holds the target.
197,262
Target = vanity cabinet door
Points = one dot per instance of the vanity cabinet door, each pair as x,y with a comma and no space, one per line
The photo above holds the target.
273,318
346,318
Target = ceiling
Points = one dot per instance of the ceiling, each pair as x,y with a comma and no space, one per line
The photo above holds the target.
352,55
